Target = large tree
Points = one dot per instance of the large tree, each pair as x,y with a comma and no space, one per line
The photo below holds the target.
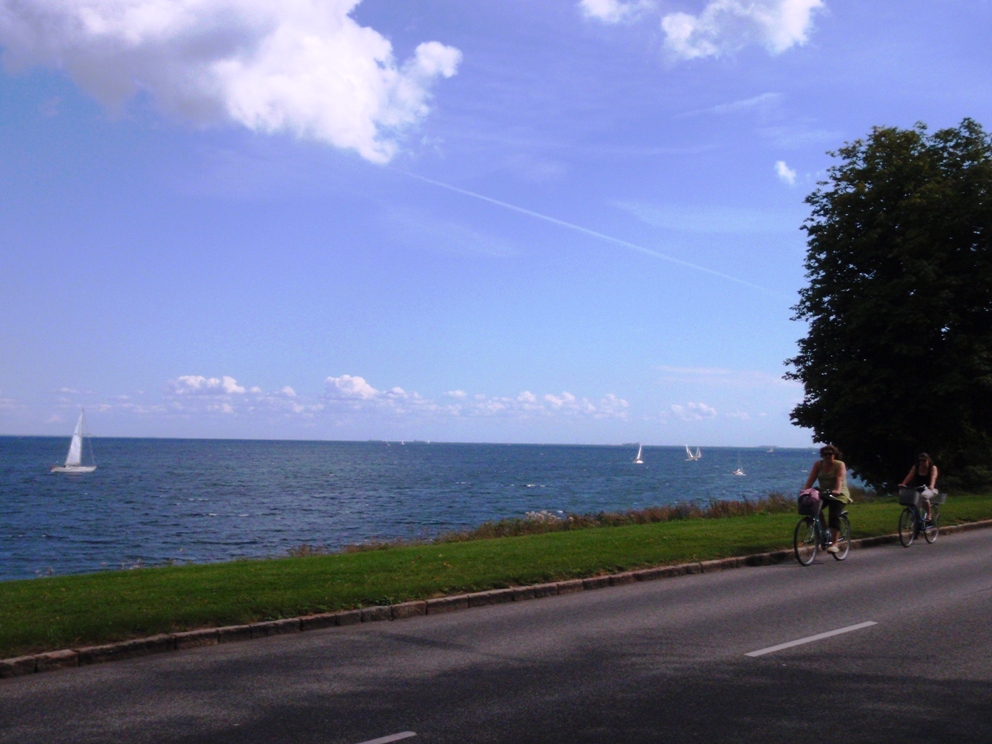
898,357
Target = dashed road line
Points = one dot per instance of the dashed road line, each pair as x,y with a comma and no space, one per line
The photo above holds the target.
392,737
810,639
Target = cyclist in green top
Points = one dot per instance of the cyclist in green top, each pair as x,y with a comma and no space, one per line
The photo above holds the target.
830,473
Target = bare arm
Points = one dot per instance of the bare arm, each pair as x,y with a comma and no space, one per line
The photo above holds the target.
812,475
841,476
933,477
909,477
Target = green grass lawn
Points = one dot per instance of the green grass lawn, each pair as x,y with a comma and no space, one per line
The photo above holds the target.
63,612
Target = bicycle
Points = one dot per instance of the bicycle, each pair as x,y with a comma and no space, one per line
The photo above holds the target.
912,522
811,535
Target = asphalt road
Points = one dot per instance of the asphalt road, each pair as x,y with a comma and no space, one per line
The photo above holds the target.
661,661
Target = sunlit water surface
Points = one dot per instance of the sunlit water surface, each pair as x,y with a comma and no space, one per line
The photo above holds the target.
156,500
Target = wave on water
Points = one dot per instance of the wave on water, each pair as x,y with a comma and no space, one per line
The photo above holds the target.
157,501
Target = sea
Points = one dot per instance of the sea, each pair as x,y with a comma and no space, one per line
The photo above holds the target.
158,501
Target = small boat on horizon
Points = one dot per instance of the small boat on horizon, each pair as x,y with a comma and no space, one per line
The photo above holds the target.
74,459
640,451
690,456
740,469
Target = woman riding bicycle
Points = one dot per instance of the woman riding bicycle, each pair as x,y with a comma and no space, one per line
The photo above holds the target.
830,473
923,475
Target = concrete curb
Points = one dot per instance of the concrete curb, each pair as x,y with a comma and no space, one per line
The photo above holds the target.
52,660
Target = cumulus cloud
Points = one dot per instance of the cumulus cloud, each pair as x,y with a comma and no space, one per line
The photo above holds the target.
613,11
200,385
693,411
302,67
348,387
725,26
354,393
192,394
785,173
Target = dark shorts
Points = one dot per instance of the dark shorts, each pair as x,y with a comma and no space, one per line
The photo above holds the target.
833,507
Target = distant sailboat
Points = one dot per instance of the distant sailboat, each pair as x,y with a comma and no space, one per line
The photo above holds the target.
690,456
740,470
640,451
74,460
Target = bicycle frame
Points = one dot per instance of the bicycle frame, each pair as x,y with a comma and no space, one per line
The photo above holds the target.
918,525
820,537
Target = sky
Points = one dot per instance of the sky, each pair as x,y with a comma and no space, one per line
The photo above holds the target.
518,221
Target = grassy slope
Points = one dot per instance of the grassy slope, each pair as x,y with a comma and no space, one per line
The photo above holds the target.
60,612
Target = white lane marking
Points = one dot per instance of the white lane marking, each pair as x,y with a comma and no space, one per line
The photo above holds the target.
391,737
810,639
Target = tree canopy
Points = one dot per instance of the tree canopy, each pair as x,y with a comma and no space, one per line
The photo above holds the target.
898,354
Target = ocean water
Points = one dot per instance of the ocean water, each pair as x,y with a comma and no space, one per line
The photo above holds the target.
156,500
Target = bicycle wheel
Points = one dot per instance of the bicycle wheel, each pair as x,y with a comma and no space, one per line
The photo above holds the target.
805,541
931,530
843,539
907,527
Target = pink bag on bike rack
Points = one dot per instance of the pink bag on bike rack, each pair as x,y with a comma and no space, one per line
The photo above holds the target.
809,502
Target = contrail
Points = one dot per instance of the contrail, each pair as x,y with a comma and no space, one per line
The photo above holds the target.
587,231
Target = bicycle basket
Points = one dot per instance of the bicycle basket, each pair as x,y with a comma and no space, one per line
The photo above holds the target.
809,503
909,496
939,497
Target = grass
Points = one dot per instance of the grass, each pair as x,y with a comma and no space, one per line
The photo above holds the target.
67,611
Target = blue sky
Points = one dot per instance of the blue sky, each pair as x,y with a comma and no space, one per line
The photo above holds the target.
511,221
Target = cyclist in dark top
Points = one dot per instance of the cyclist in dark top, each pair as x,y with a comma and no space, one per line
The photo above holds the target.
830,473
923,473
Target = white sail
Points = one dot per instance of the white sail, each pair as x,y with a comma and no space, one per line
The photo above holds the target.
690,456
640,451
75,456
698,454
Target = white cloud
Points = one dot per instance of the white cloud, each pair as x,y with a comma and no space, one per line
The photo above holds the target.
693,411
302,67
742,415
355,393
350,396
200,385
725,26
761,101
613,11
558,402
347,387
785,173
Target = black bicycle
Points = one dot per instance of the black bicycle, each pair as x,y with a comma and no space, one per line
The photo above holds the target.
913,521
812,534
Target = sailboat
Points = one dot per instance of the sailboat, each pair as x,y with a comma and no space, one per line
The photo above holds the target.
740,470
690,456
640,451
74,460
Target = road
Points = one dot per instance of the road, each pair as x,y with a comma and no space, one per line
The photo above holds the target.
661,661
